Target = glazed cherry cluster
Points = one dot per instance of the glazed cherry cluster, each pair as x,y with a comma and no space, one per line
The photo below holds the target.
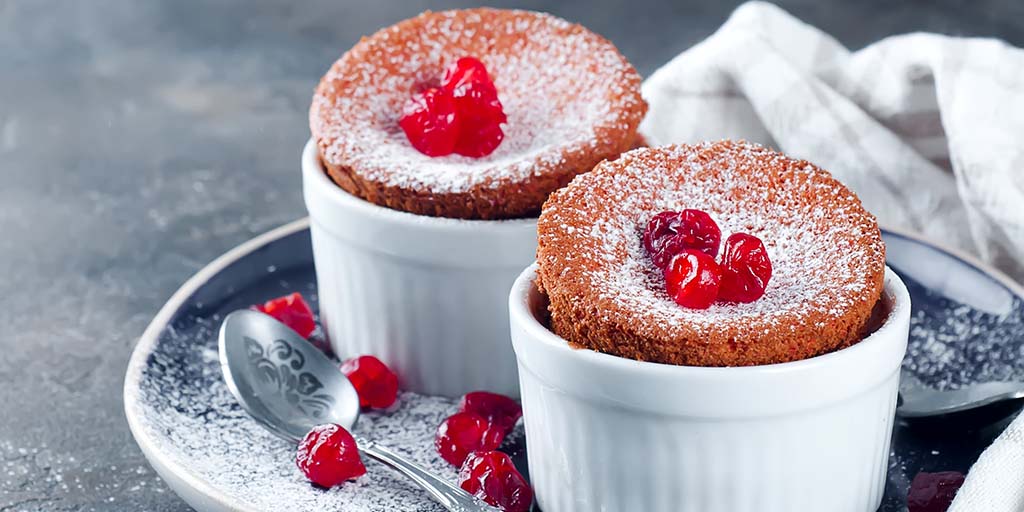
684,245
463,115
328,454
470,439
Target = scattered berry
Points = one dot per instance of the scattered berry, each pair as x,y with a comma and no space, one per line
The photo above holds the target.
463,116
328,456
933,492
430,123
376,384
746,269
669,233
692,279
463,433
501,411
491,476
291,310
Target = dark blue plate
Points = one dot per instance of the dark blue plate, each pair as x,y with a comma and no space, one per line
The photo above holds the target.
968,324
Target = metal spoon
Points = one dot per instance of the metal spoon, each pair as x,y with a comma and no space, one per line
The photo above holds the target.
289,386
917,400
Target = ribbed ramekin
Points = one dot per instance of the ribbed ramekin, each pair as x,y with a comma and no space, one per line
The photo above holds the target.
426,295
613,434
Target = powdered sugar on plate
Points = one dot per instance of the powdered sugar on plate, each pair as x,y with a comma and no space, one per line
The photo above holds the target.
953,344
197,425
562,87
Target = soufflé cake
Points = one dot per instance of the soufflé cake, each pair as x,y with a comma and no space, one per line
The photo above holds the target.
474,114
715,254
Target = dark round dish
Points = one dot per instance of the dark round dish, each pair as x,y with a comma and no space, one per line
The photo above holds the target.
216,458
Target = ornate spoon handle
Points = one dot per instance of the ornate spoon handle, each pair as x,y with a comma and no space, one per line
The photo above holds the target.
448,495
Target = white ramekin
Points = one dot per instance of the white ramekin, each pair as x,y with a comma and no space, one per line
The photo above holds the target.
613,434
426,295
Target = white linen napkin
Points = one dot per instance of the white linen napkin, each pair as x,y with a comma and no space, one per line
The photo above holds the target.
927,129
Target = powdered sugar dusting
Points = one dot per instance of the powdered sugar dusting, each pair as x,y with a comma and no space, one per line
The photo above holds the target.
953,344
816,247
196,424
562,87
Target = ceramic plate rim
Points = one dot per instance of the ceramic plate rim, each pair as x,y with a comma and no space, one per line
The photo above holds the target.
168,469
147,343
1001,277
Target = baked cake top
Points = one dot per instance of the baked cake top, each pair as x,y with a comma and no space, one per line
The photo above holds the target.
827,254
571,99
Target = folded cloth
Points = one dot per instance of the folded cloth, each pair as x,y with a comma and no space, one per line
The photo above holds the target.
996,482
927,129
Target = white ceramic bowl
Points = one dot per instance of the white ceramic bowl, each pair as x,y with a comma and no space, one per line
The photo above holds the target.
613,434
426,295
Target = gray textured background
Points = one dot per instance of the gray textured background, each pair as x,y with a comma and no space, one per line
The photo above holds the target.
141,139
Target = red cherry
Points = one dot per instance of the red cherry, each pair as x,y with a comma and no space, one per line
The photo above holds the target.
464,116
659,229
746,269
430,122
933,492
692,279
668,233
291,310
328,456
463,433
480,118
501,411
376,384
475,96
491,476
463,71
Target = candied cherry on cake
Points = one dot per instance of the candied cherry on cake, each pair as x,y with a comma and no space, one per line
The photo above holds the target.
746,269
501,411
491,476
692,279
328,456
291,310
429,122
478,108
464,433
465,70
933,492
669,233
463,115
375,383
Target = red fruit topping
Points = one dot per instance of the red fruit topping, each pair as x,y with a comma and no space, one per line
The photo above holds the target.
463,433
669,233
501,411
479,109
480,118
933,492
492,477
463,71
692,279
376,384
328,456
291,310
430,122
463,116
659,229
746,269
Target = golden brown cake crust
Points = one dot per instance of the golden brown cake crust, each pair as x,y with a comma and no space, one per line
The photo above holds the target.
605,294
572,101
